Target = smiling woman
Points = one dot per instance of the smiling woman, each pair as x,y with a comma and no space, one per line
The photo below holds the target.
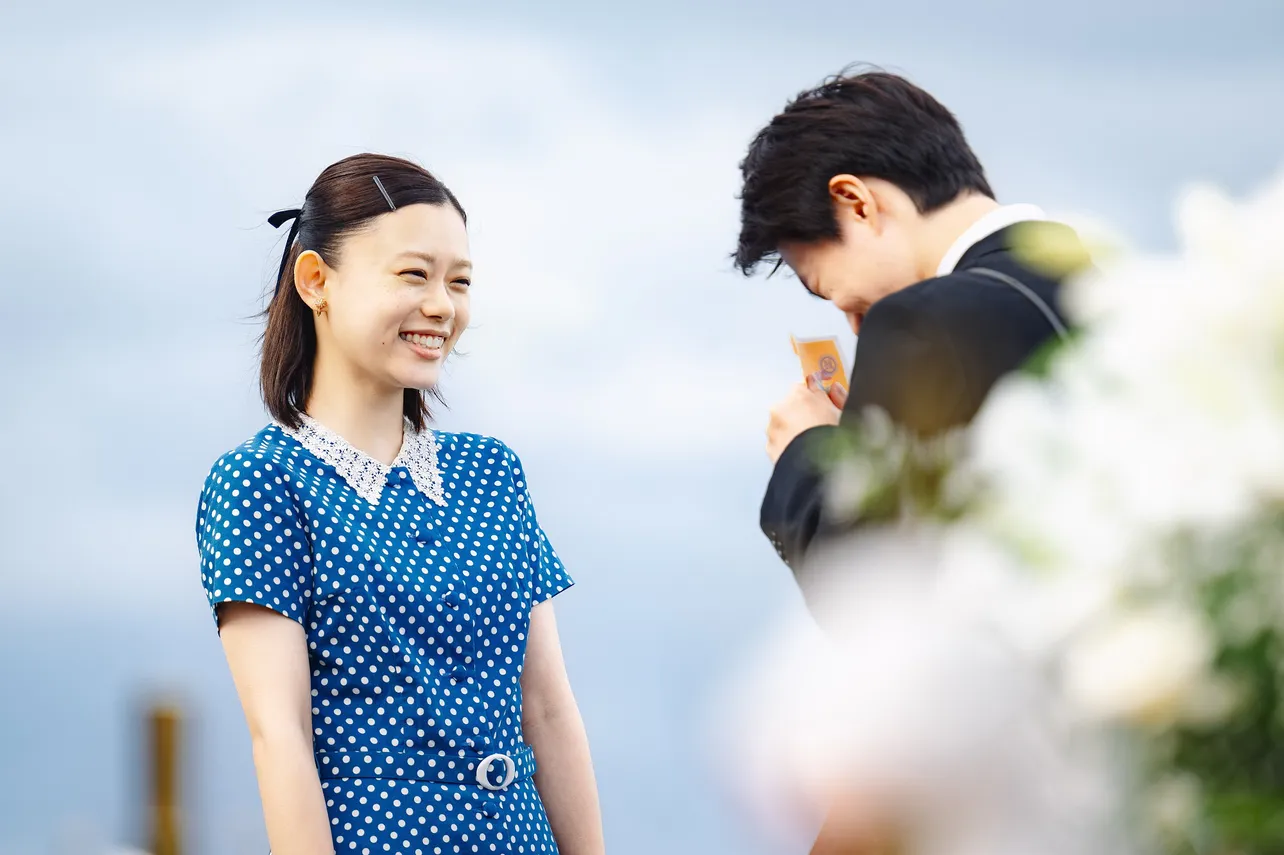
381,587
374,234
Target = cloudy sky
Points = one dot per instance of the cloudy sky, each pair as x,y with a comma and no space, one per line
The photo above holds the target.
595,147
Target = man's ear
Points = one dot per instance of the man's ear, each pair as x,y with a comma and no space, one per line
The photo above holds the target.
852,197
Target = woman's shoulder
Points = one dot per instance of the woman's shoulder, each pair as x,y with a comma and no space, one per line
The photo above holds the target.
465,442
255,480
455,449
270,453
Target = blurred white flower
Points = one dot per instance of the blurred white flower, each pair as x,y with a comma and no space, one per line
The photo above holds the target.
909,695
1139,666
1211,702
848,486
1165,417
1244,237
967,677
1173,803
1033,612
1247,614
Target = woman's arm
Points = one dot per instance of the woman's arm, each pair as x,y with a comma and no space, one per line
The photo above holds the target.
268,655
552,726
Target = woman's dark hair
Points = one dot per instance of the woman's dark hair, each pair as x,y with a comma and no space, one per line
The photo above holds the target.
871,124
343,199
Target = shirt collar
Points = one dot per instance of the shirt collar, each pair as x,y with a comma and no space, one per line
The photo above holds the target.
363,473
999,218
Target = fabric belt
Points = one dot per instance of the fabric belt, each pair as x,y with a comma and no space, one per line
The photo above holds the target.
498,769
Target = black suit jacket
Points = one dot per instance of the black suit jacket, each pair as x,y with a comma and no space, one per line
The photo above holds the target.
928,355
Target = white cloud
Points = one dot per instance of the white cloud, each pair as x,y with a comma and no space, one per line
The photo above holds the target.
134,557
601,239
607,323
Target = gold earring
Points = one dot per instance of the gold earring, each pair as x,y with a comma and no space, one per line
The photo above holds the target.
322,306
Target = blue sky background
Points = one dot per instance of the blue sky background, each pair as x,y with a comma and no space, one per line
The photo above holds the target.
595,147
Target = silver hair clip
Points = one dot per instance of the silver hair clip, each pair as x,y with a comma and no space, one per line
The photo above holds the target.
386,197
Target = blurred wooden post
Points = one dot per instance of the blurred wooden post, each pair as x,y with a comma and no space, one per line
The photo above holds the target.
164,738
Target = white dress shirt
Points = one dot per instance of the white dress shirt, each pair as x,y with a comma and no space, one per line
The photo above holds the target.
999,218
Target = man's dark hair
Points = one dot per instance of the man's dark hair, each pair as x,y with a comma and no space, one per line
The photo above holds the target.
872,124
343,200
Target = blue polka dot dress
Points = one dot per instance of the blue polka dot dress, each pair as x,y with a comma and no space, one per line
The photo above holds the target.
414,583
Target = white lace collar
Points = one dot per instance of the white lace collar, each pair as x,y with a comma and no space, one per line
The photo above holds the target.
367,475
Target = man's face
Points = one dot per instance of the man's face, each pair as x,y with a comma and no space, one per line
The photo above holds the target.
857,269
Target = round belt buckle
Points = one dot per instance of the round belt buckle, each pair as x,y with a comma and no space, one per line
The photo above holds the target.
483,772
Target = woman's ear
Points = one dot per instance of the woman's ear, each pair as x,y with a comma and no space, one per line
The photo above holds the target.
309,278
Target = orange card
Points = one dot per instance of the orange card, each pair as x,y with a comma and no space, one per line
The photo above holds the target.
821,356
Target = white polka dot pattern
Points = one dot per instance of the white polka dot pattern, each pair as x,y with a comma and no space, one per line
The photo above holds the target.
416,616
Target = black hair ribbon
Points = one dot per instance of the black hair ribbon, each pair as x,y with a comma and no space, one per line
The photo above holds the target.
277,220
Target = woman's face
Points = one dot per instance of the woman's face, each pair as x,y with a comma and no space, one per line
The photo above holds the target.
397,299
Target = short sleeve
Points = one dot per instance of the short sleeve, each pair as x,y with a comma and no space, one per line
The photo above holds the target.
252,547
549,577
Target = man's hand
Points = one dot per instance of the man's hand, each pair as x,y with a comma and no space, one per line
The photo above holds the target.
807,406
